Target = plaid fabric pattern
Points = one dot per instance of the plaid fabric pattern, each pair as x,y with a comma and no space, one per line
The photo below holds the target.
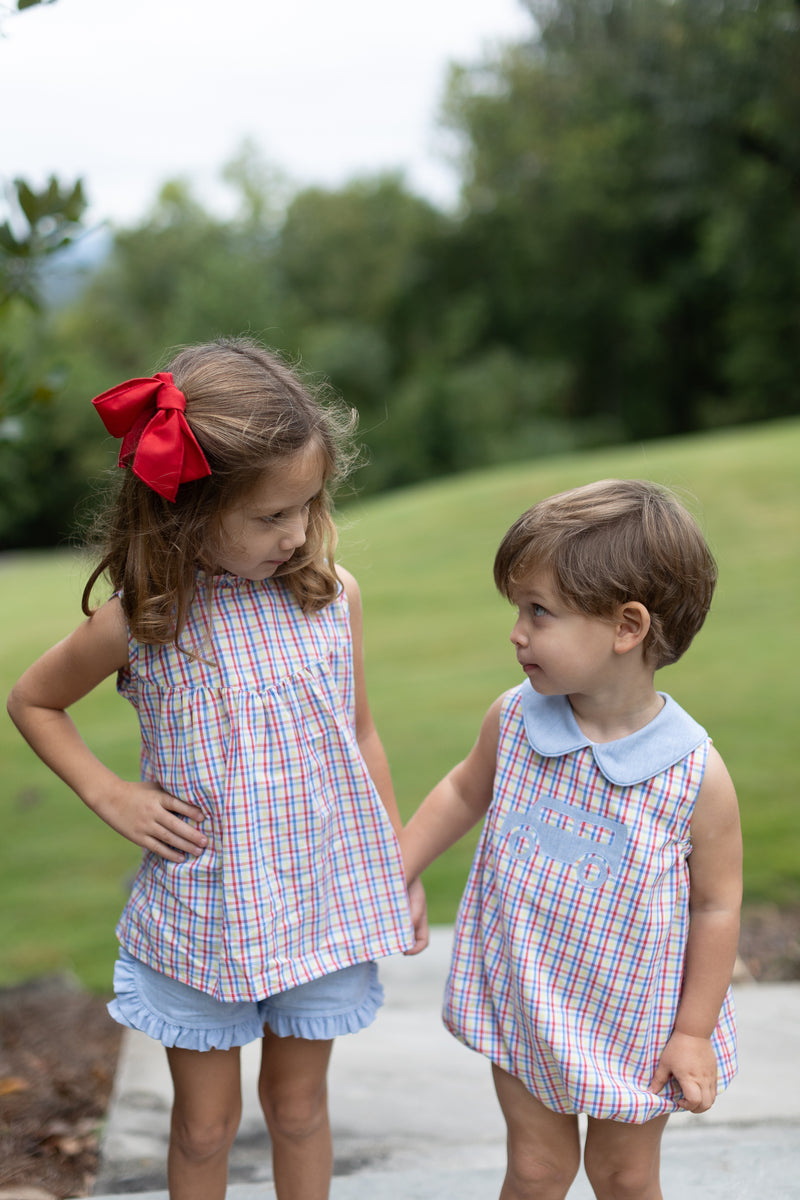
570,938
256,726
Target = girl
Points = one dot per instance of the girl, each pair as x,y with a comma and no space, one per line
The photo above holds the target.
272,877
597,935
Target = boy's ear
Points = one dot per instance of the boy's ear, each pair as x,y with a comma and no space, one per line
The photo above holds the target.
633,626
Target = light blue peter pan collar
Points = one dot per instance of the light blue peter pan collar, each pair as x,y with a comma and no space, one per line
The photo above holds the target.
552,730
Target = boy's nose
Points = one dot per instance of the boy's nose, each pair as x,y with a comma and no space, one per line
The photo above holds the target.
518,637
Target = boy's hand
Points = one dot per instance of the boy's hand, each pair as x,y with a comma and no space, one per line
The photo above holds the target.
692,1063
151,818
419,915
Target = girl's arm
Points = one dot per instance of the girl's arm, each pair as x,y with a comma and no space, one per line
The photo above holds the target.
715,897
365,727
141,811
367,737
456,803
372,750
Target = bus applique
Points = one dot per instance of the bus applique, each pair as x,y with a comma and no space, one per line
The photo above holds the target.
569,834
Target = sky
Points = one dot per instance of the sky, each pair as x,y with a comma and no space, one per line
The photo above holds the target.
130,93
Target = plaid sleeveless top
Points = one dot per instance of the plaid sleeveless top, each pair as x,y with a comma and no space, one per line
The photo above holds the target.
256,726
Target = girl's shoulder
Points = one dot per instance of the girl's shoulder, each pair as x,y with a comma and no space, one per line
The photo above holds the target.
106,631
95,650
348,581
350,593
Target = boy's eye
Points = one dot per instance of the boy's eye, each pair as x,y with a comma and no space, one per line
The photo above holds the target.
539,610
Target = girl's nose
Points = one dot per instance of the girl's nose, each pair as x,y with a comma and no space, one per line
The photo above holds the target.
294,532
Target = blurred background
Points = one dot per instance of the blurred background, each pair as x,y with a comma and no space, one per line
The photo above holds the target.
533,242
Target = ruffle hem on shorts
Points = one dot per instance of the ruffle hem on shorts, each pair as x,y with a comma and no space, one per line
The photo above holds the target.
130,1009
321,1028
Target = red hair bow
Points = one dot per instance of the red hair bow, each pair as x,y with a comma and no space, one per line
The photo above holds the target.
148,415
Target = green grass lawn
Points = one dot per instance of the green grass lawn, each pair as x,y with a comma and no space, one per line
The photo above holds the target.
437,655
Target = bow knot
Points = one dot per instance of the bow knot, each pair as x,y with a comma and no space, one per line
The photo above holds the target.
148,414
169,396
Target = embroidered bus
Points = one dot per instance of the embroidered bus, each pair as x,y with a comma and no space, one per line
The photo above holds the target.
569,834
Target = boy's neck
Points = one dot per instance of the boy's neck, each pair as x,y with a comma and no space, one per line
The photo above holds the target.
612,716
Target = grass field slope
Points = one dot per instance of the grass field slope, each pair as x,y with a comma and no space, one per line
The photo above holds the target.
438,653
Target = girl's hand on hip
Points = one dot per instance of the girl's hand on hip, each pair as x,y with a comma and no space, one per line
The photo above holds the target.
153,819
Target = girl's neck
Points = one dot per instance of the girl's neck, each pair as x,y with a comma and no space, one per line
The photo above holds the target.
610,717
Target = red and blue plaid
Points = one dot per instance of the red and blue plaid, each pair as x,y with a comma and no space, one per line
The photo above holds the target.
251,719
571,935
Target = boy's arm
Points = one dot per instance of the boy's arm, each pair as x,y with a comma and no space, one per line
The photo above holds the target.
715,896
456,803
141,811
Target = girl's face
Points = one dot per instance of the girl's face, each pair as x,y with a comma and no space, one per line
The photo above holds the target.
261,532
563,652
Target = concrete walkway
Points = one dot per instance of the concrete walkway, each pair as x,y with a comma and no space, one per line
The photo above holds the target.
415,1117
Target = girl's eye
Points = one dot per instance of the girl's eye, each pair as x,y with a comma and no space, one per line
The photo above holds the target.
276,518
539,610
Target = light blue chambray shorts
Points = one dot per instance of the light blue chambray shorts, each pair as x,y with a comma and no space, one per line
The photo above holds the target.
178,1015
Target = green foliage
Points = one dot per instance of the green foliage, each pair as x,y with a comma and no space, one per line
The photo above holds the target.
46,450
642,159
181,276
623,264
40,471
437,654
40,224
351,264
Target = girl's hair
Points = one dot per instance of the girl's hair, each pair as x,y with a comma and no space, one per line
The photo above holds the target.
249,411
612,542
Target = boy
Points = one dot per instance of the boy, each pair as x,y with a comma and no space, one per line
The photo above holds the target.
597,934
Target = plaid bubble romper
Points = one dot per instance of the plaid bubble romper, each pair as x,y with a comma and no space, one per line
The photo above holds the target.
570,938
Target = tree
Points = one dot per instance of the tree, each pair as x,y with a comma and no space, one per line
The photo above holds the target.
354,268
631,205
159,286
37,475
40,478
39,225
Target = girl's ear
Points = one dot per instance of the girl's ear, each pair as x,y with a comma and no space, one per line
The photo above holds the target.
632,626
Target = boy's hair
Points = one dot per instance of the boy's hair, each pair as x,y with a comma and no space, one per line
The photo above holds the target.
615,541
249,411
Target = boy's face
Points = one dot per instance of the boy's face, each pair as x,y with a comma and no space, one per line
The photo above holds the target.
562,652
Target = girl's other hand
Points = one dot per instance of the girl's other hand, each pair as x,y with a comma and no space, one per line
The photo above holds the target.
419,916
153,819
692,1063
